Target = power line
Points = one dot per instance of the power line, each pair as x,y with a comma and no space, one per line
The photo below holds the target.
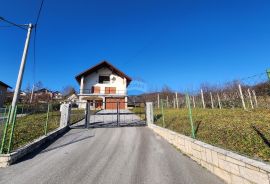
5,26
35,35
39,11
12,23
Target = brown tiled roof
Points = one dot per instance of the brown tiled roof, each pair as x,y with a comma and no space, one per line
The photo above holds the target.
4,84
101,65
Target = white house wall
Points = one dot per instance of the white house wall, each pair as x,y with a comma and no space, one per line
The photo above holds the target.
93,79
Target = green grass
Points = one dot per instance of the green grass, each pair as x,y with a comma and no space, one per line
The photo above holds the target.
31,127
76,115
232,129
139,111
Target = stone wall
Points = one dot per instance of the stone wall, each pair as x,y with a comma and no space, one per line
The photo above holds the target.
229,166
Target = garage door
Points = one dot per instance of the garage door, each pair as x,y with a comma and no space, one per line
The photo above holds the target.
111,103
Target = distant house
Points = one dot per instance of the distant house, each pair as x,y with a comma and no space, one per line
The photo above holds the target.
24,97
73,99
23,94
3,91
57,95
105,85
43,95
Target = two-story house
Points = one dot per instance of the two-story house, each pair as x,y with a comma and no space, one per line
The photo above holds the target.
104,85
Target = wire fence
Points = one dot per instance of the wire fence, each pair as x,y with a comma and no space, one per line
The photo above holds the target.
77,112
3,118
249,93
29,122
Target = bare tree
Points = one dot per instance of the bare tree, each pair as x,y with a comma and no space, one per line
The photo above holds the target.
68,90
38,85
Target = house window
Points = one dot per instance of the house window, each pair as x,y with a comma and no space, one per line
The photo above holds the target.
110,90
95,89
104,79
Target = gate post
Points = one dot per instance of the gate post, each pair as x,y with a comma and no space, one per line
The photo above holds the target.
65,115
149,113
87,115
118,115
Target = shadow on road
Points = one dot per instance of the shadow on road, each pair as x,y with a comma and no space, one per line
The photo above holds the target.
115,124
45,147
66,144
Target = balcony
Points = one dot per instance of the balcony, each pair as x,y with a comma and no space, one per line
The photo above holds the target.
99,92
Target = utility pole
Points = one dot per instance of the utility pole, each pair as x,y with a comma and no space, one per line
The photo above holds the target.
21,71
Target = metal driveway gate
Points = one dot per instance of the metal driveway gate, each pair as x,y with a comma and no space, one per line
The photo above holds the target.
115,114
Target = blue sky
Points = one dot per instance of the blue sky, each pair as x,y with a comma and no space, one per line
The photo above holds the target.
181,43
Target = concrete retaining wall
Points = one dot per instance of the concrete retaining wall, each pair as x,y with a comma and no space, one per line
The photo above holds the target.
229,166
8,159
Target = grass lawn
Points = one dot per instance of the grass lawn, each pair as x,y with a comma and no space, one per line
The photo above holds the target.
245,132
139,111
76,115
31,127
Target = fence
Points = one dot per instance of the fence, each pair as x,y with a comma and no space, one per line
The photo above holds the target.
248,93
234,116
77,112
3,118
28,123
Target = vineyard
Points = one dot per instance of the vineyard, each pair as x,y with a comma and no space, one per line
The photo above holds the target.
234,115
245,132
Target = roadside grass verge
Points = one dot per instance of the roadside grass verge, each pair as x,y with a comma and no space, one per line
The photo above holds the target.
79,114
30,127
76,115
245,132
139,111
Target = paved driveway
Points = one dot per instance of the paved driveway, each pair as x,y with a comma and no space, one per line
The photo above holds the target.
108,156
108,118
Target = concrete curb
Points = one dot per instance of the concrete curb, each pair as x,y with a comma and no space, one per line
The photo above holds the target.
8,159
231,167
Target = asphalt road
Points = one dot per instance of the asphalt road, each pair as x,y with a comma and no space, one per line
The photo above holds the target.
130,155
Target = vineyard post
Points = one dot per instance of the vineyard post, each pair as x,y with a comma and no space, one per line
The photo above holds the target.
212,102
190,116
268,74
174,106
250,99
47,119
176,98
219,103
255,98
242,97
193,100
162,112
158,100
202,99
167,102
